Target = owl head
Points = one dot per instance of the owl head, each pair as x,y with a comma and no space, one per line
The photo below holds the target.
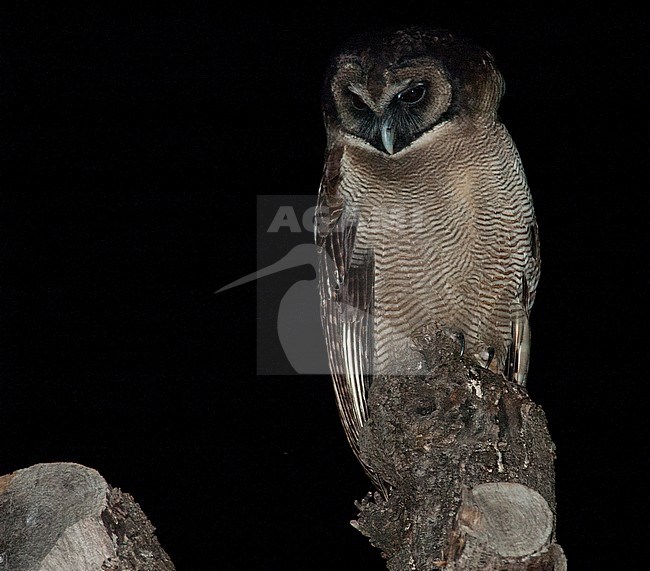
389,88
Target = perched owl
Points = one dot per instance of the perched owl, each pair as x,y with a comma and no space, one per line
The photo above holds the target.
425,220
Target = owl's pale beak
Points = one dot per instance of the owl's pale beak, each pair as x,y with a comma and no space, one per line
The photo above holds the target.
387,136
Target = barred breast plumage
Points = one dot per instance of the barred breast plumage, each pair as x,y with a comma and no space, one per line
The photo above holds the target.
450,238
425,218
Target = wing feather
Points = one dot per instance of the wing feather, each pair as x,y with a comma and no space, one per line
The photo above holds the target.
518,358
346,287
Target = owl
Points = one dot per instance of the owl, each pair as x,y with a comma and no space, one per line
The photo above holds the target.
424,219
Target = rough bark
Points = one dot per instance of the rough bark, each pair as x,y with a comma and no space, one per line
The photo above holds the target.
470,462
65,517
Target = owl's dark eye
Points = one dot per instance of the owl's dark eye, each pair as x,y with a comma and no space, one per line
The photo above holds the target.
413,94
358,103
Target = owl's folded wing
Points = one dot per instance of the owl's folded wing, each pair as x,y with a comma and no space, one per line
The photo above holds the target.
346,283
518,358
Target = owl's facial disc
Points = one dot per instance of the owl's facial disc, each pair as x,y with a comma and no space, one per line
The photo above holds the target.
393,108
393,120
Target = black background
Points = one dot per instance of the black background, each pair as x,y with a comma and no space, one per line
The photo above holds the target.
135,142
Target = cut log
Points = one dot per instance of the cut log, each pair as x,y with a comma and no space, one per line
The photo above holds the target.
65,517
